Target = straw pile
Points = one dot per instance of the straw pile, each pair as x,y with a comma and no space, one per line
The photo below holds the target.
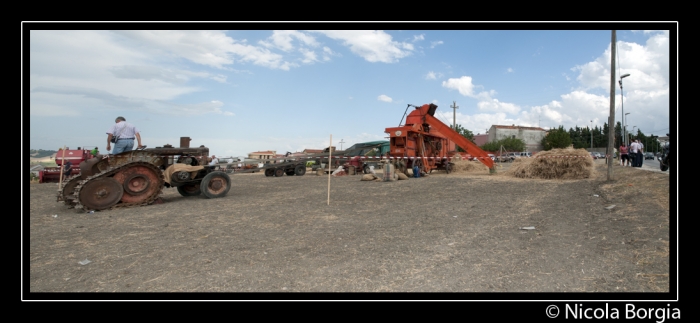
466,166
554,164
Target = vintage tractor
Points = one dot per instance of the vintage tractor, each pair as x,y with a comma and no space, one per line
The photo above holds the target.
137,177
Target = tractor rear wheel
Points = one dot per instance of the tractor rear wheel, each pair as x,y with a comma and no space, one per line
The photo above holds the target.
300,170
215,184
279,172
269,172
100,194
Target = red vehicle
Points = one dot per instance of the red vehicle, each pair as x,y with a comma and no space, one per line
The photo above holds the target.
428,143
71,157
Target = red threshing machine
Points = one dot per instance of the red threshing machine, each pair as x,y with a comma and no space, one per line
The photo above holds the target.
426,142
70,158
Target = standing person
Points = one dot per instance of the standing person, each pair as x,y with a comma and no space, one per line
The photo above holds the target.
634,149
624,157
641,153
214,161
124,134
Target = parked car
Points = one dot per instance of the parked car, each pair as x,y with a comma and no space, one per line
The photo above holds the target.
524,154
593,155
493,157
504,158
599,155
648,155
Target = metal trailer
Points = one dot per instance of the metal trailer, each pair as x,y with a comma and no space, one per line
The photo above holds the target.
291,168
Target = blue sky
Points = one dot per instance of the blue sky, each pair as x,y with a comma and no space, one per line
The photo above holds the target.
240,91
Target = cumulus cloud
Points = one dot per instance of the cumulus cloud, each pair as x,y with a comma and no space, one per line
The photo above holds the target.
384,98
435,43
497,106
210,47
648,65
418,37
463,85
282,39
372,45
432,75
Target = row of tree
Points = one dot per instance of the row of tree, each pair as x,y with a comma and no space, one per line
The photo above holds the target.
41,153
596,137
580,137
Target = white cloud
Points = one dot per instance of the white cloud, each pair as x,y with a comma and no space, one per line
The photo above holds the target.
495,105
282,39
510,70
463,85
432,75
308,56
384,98
435,43
372,45
211,48
648,66
418,37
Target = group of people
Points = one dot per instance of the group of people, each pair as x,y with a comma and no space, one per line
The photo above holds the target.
632,155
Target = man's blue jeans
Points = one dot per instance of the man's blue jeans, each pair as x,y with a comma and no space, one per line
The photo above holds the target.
123,145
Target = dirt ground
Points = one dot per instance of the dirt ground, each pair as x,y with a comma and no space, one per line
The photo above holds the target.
440,233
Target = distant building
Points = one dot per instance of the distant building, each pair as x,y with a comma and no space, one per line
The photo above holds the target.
267,154
531,135
481,139
312,151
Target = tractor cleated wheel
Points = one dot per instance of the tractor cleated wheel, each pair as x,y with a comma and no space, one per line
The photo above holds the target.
279,172
300,170
189,190
100,194
68,191
215,184
269,172
140,183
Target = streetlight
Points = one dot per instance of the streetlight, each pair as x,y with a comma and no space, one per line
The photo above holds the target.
632,131
622,104
625,130
591,135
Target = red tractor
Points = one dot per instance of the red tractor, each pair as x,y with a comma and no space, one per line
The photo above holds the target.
69,160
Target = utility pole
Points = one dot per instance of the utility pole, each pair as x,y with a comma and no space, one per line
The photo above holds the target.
454,115
341,144
611,118
591,135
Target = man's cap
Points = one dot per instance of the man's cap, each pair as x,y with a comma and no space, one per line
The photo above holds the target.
121,118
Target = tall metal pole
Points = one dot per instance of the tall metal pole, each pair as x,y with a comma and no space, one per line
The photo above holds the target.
591,135
624,118
611,117
454,115
627,141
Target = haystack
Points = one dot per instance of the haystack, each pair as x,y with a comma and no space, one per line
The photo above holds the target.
554,164
467,166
